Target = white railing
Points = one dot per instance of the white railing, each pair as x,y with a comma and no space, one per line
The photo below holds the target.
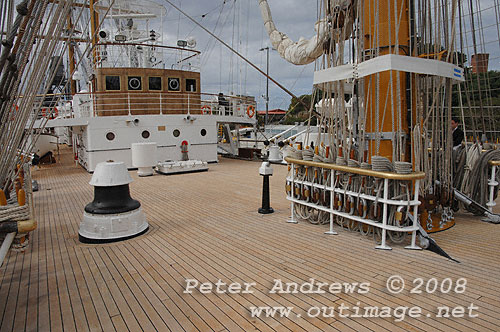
381,200
86,104
137,103
135,55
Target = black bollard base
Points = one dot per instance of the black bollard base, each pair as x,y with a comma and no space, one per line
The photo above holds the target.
266,211
266,206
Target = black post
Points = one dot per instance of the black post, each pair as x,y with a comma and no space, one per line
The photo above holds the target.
266,208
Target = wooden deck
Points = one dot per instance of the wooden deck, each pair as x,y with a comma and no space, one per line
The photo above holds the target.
205,226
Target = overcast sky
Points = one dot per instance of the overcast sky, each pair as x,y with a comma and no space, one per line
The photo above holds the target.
240,25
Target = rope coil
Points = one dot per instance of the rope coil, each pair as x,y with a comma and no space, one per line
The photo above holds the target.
382,164
403,167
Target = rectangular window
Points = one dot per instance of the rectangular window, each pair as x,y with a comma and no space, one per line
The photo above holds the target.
190,85
155,83
113,83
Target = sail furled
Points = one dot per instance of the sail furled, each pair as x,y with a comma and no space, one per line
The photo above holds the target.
301,52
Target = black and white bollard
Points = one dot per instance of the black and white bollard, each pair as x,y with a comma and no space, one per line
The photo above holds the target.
113,215
266,171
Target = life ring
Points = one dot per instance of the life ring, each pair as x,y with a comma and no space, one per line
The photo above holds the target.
251,111
51,115
205,109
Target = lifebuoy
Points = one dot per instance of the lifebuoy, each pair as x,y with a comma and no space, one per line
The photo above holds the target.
51,115
205,109
251,111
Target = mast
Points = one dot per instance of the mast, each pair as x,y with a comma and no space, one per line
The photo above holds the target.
71,56
94,19
385,92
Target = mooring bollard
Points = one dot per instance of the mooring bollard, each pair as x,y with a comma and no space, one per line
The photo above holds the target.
266,171
113,215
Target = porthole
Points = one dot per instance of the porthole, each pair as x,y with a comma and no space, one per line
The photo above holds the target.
134,83
173,84
110,136
145,134
203,132
176,133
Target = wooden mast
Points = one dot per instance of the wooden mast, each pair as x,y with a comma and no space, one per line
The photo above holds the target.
71,56
94,19
380,20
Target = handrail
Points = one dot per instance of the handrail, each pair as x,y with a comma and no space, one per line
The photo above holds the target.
150,45
360,171
494,162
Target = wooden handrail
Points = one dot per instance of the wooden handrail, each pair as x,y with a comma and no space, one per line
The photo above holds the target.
360,171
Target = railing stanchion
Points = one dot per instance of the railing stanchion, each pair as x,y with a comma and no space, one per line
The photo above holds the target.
413,244
383,245
332,183
292,188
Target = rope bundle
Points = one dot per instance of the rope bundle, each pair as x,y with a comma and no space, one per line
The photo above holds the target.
14,212
366,165
353,163
341,161
402,167
307,154
479,176
294,153
318,158
382,164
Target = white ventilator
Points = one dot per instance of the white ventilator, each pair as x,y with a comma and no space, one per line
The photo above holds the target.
144,157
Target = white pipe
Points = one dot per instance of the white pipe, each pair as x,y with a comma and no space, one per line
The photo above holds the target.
140,16
282,133
6,246
295,136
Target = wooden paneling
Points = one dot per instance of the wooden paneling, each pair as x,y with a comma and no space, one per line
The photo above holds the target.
142,102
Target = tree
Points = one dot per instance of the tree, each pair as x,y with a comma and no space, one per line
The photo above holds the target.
298,112
489,85
298,107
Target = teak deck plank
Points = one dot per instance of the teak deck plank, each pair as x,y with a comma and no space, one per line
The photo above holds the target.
205,226
129,296
255,278
186,316
188,269
21,309
173,288
11,294
221,241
